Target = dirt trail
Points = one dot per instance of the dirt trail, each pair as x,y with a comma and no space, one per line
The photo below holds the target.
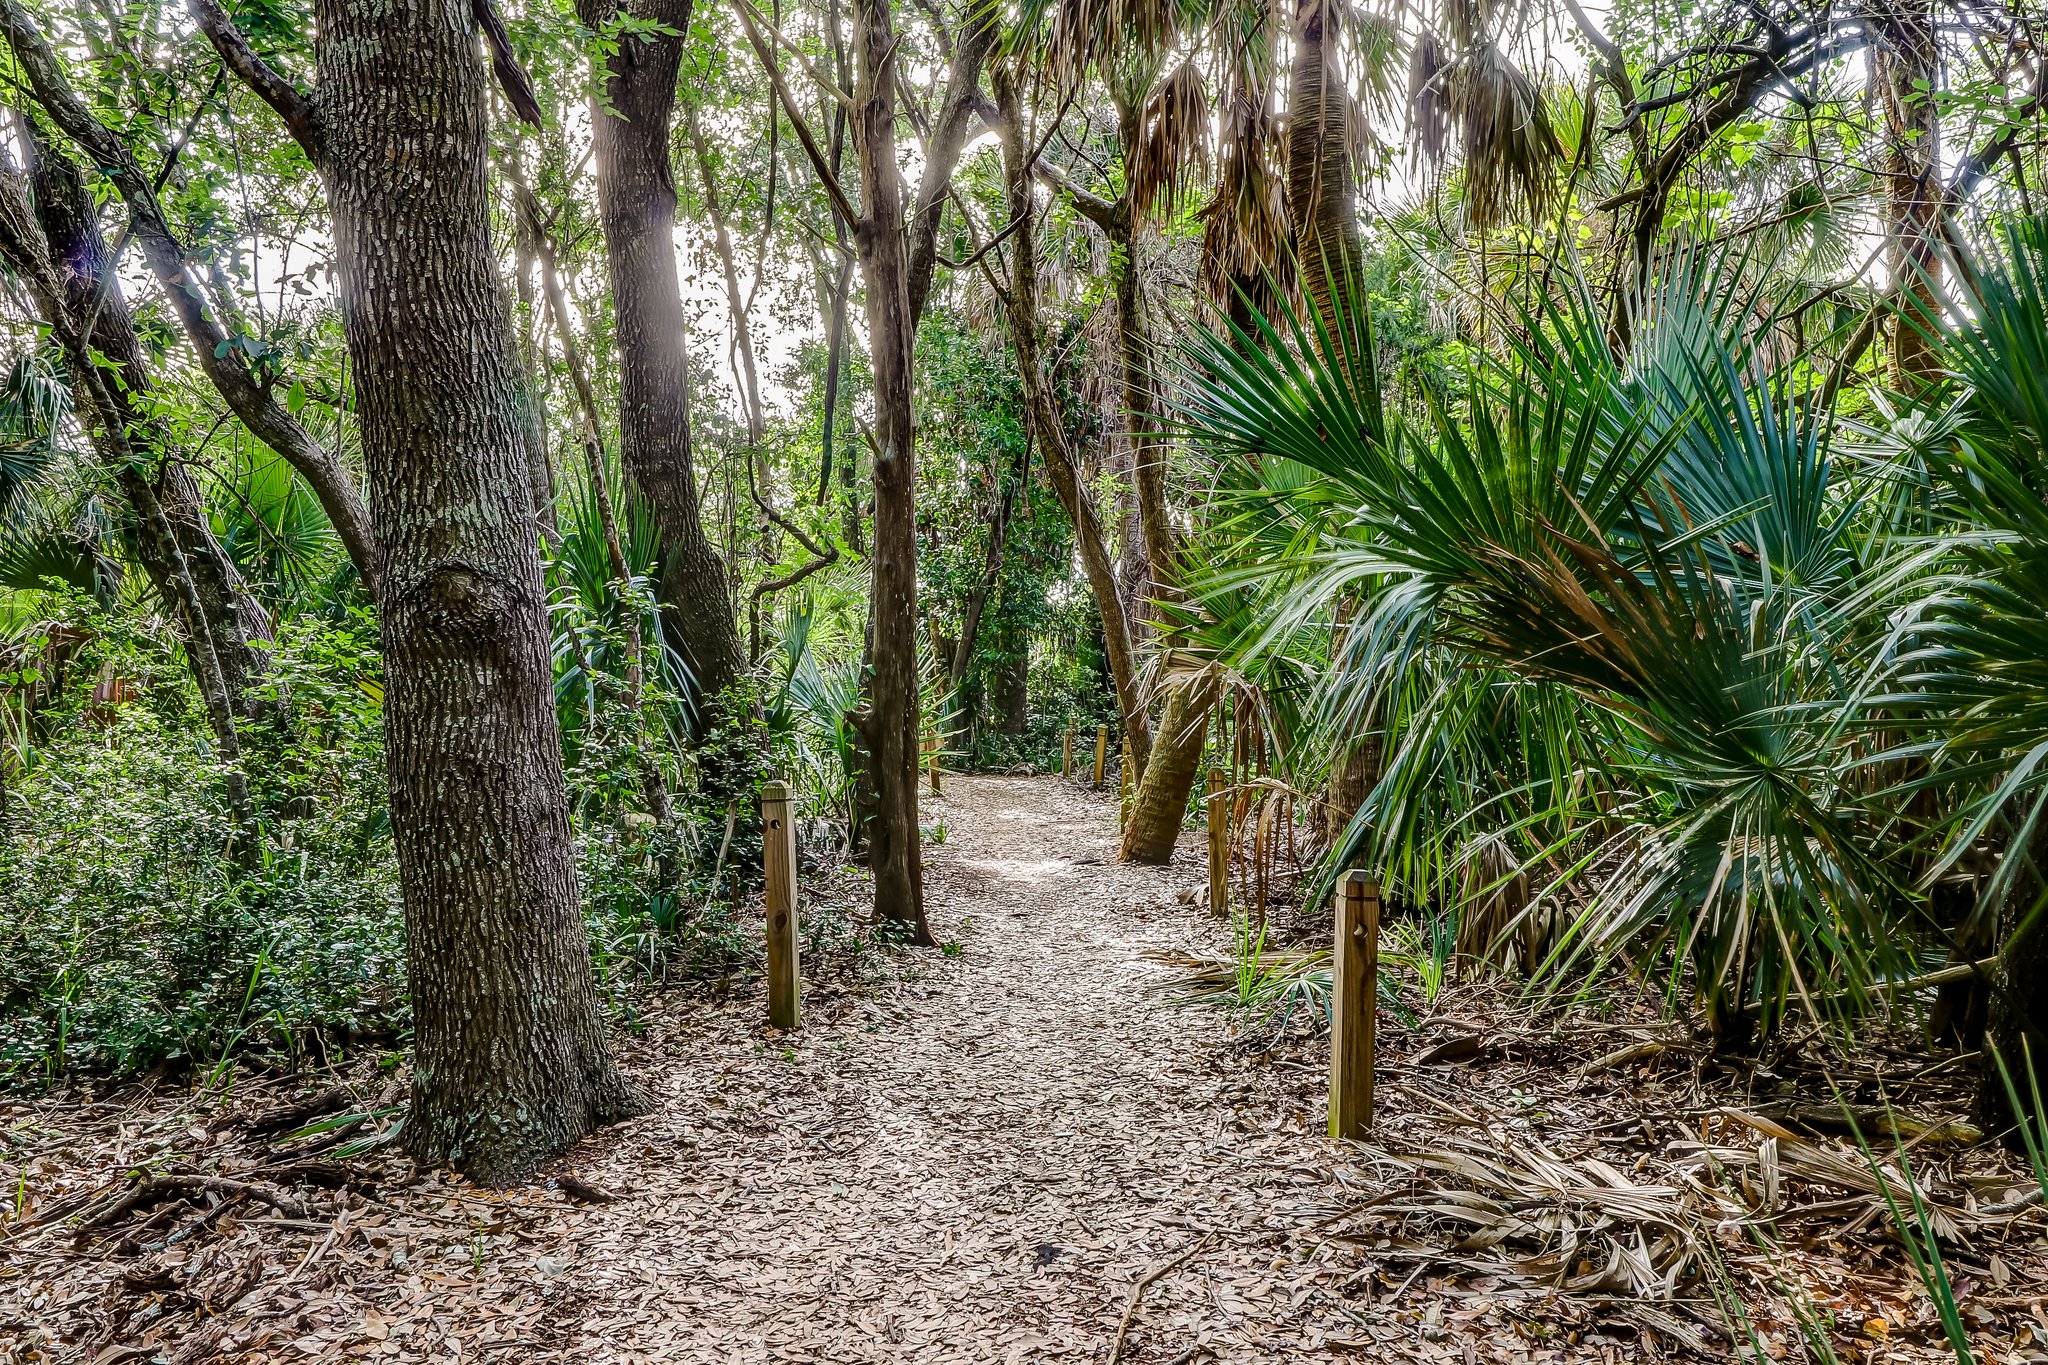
978,1166
972,1158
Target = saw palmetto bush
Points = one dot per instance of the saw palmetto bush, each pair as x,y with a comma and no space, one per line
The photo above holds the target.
1640,631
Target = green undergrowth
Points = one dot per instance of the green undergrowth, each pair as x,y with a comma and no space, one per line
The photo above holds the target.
136,934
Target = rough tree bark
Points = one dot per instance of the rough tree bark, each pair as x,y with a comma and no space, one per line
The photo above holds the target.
510,1059
636,196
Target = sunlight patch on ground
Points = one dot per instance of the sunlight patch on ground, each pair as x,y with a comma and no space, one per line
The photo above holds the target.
1019,869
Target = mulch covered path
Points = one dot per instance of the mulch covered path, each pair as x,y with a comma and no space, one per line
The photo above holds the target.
978,1160
1019,1148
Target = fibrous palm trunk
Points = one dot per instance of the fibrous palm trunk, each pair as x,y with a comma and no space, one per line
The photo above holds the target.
510,1058
1907,71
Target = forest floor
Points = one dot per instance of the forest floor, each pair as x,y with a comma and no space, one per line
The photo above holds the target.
1015,1148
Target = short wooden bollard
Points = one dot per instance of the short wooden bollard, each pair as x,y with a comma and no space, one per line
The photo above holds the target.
931,763
1354,1004
1101,751
1067,754
778,857
1219,843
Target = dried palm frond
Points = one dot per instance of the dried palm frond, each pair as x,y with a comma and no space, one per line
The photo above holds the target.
1429,102
1173,140
1505,1205
1505,141
1508,146
1244,225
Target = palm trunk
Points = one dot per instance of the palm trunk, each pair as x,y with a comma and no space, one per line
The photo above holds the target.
1148,451
1320,181
510,1058
1161,803
1168,773
1908,71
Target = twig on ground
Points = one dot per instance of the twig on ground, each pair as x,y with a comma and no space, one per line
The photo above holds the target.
1116,1348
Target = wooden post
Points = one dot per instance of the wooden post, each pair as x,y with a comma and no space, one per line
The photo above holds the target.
931,761
778,856
1354,1003
1101,752
1219,844
1067,752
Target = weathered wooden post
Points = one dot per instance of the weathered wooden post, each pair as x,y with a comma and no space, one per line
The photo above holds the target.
1067,752
1219,844
1126,789
931,761
1354,1004
1101,752
778,857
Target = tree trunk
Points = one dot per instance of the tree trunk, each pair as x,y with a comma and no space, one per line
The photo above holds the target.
1013,687
1907,69
653,784
1320,185
1161,803
890,723
510,1058
1168,773
1045,419
2017,1025
636,197
173,533
1148,452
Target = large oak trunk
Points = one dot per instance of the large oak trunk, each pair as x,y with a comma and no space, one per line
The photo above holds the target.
510,1059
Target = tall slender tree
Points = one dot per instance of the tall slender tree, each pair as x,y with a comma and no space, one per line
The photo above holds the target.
636,196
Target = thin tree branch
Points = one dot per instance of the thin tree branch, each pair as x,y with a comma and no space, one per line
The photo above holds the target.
301,114
833,190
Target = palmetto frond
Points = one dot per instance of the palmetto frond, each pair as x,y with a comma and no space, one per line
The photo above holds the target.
1656,535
